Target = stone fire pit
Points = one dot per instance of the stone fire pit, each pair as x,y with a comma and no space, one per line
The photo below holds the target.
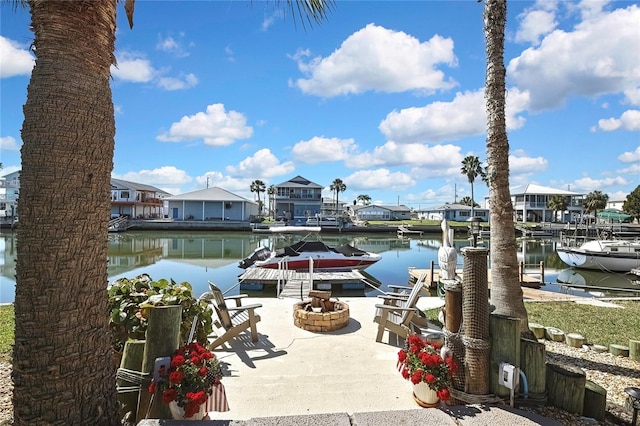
320,313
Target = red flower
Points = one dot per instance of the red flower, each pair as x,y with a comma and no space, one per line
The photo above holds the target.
195,360
177,361
402,356
430,378
168,395
176,377
443,394
203,371
416,377
152,387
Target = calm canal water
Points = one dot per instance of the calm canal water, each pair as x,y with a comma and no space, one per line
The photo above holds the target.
198,257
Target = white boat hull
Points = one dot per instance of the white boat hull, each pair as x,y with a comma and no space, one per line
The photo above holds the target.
614,256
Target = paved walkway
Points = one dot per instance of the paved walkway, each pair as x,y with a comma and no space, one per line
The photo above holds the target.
295,377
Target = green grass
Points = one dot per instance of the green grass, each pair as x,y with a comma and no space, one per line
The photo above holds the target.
7,321
599,325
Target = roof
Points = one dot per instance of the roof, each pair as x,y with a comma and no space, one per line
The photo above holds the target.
533,189
136,186
299,181
452,206
393,208
209,194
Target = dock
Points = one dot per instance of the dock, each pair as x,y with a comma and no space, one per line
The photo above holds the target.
297,284
405,230
433,276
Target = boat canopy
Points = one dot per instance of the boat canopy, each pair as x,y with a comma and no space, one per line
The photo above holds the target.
614,215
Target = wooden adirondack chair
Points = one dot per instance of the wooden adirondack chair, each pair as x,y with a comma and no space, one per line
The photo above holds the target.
235,319
399,313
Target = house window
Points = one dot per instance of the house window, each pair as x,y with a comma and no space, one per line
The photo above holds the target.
124,194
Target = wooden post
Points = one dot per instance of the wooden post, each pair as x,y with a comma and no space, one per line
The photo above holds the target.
433,277
452,304
565,387
619,350
634,349
131,360
505,347
542,272
595,401
162,339
532,363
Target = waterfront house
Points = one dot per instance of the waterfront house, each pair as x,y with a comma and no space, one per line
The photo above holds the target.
298,199
210,204
380,212
453,212
9,193
531,204
136,200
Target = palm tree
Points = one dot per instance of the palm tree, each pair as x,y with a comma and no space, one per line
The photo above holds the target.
271,191
467,201
258,186
337,186
557,203
472,168
594,201
364,199
62,368
506,293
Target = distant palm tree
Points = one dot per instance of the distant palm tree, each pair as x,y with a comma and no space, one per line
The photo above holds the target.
67,159
472,168
594,201
467,201
364,199
258,186
557,203
337,186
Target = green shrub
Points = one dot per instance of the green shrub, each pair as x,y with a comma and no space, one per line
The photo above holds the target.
129,300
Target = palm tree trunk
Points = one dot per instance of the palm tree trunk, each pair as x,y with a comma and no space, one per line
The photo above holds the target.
62,362
506,293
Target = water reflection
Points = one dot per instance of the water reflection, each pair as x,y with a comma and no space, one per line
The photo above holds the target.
202,256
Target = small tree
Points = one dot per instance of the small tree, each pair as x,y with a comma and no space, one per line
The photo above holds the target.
467,201
364,199
632,204
594,201
472,168
258,186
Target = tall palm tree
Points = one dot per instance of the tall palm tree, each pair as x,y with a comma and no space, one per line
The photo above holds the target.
506,293
61,359
337,186
365,199
472,168
258,186
594,201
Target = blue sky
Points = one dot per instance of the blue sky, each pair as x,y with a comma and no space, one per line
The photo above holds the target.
385,95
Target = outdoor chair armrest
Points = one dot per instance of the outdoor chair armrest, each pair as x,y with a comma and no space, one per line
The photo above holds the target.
399,287
392,300
395,308
245,307
238,298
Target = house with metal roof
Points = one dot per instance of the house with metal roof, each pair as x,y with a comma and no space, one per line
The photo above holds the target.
531,203
210,204
381,212
453,212
136,200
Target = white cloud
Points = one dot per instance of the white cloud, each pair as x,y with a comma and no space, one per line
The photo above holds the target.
171,45
430,160
599,56
629,120
588,184
378,59
167,178
263,164
184,81
379,178
14,59
321,149
442,121
133,67
630,157
535,24
8,143
215,126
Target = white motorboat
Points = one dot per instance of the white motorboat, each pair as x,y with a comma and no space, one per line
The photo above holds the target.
296,257
603,255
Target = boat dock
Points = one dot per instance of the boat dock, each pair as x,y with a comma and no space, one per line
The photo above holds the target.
433,276
298,283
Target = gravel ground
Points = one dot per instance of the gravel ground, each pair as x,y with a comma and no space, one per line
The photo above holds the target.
611,372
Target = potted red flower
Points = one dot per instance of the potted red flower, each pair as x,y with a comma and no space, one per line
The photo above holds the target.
193,373
422,364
